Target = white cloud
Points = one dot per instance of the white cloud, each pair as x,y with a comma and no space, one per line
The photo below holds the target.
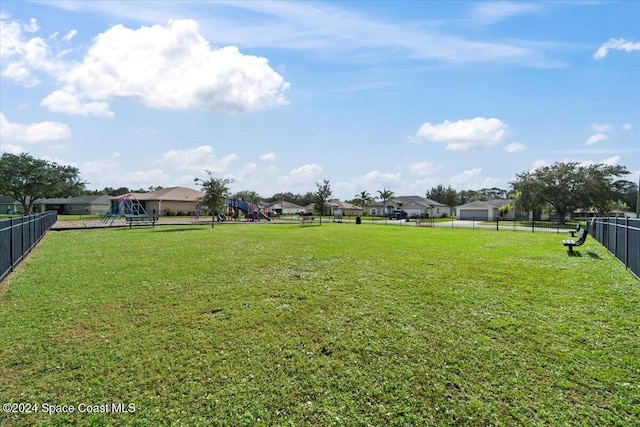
473,179
611,161
12,149
174,67
615,44
301,179
600,128
423,168
626,126
496,11
596,138
464,135
71,34
515,147
34,132
107,172
32,26
197,160
65,102
267,157
22,56
310,171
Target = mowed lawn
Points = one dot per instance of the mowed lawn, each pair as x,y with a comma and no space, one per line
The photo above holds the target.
339,324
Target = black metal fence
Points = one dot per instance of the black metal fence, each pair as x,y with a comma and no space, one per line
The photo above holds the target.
19,235
621,237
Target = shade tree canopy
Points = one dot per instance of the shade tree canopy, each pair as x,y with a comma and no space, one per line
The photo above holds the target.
566,187
26,178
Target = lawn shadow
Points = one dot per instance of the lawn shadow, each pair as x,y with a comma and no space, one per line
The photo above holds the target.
180,229
594,255
574,254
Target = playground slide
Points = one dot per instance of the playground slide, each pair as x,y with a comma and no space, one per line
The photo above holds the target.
265,216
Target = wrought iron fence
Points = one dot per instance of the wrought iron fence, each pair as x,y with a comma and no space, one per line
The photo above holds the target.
19,235
621,237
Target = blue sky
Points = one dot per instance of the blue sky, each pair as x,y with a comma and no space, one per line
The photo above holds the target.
281,95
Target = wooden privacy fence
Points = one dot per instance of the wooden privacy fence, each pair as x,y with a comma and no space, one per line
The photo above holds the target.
621,237
19,235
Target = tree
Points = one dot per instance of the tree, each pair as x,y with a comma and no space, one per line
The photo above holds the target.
216,194
26,179
321,197
447,196
248,196
386,195
569,186
362,199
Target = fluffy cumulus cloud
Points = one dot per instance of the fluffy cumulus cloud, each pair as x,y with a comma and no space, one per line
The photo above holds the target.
301,179
65,102
616,44
32,133
464,135
197,160
596,138
173,67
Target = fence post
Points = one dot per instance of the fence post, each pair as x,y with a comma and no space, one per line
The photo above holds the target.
11,246
626,242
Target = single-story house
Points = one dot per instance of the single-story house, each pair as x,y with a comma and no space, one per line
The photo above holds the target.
414,206
81,205
168,201
282,207
485,210
338,207
9,205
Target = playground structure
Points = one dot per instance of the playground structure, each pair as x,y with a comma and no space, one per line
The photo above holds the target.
129,208
251,211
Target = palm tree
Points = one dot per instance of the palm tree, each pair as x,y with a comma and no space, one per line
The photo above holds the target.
364,197
386,195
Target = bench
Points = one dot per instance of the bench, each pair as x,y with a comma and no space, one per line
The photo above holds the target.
576,230
308,219
582,236
142,219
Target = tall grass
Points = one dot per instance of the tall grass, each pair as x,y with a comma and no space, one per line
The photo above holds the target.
332,325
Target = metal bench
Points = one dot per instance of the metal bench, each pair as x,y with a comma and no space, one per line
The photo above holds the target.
142,219
582,236
307,219
576,230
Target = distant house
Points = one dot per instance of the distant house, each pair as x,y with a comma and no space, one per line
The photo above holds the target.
414,206
169,201
487,210
81,205
283,207
338,207
9,205
344,208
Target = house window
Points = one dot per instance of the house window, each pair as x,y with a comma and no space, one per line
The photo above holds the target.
373,211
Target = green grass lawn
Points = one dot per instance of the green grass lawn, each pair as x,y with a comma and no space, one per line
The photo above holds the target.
321,325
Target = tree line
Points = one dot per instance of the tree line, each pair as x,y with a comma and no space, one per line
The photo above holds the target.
561,188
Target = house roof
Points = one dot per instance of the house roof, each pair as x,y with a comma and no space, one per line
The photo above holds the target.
173,194
8,200
285,205
100,199
485,204
410,202
342,205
